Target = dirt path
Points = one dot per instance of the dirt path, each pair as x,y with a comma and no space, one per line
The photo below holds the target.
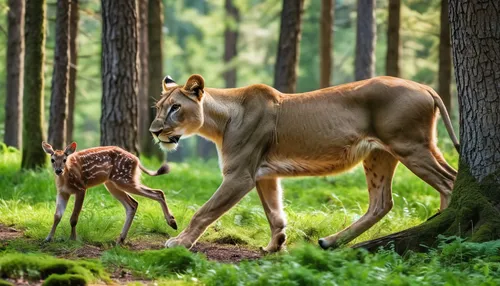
213,251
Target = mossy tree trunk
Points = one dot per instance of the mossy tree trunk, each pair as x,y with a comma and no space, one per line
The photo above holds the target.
32,154
15,70
60,78
73,54
119,74
474,211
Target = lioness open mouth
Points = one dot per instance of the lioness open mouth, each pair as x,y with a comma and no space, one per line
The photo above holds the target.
173,139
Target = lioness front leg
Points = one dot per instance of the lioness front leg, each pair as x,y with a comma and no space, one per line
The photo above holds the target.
270,193
231,191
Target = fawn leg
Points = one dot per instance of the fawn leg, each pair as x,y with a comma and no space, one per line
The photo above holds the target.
79,197
61,203
130,207
153,194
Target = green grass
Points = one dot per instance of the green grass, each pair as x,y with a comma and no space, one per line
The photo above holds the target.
315,207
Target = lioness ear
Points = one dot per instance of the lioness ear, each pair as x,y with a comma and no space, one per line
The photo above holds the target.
70,149
168,82
47,148
195,84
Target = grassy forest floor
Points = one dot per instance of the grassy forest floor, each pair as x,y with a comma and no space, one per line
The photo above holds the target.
227,254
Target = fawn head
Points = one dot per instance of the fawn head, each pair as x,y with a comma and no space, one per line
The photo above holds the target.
58,157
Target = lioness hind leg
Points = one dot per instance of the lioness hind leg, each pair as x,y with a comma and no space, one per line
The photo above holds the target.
423,163
379,169
270,195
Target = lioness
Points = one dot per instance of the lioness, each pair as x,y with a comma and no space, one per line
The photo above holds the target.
262,134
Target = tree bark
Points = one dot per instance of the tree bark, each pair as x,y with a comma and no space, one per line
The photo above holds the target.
393,43
155,70
143,100
445,58
366,33
230,42
32,154
73,54
285,71
325,42
60,78
15,71
474,210
119,74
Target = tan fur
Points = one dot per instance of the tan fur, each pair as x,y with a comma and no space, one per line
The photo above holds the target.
112,166
262,135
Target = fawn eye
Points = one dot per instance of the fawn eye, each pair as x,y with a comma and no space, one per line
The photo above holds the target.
64,161
175,107
52,160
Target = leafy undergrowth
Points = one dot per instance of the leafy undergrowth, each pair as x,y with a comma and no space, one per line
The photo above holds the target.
454,263
35,267
315,207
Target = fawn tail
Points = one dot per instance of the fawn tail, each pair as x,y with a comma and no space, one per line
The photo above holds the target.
164,169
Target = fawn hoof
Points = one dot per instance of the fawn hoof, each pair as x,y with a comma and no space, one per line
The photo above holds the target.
173,224
47,240
120,241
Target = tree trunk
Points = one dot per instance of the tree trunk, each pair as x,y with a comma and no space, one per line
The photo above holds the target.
393,44
73,54
143,104
445,57
366,33
33,155
474,210
285,71
155,70
230,42
119,74
15,70
325,42
60,76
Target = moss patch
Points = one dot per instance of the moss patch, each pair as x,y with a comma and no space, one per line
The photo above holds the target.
65,280
38,267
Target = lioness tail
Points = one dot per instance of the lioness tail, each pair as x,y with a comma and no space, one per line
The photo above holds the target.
446,118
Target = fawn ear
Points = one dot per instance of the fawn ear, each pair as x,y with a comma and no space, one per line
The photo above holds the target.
168,82
70,149
47,148
195,85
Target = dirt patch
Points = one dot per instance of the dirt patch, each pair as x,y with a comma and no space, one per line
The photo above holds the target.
9,232
225,253
213,251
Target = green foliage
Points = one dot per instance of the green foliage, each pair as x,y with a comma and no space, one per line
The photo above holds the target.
308,265
38,266
156,263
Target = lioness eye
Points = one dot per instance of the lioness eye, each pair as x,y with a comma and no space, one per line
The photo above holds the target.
175,107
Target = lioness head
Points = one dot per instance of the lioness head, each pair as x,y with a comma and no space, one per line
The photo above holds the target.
179,112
